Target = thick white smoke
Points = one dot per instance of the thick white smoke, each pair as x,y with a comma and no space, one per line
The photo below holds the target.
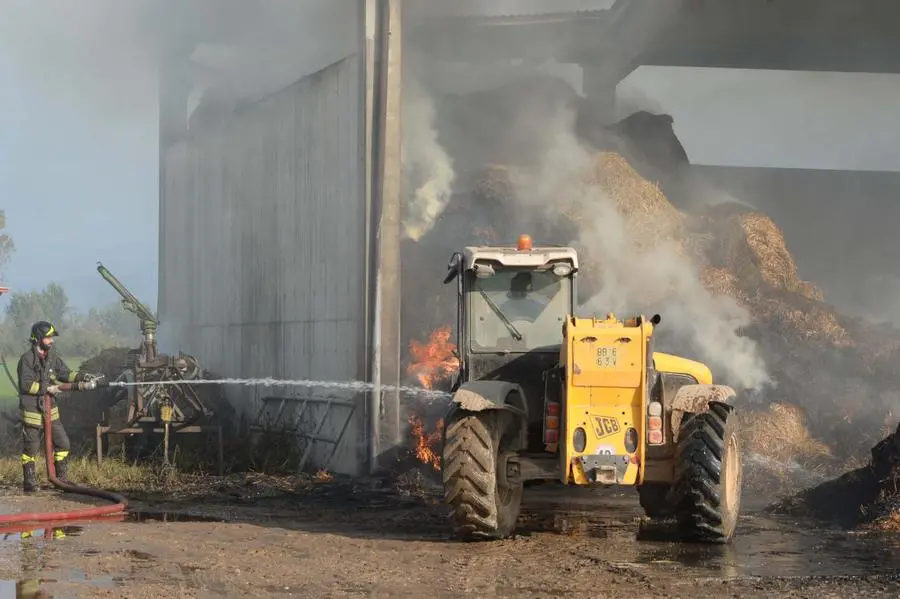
637,277
427,167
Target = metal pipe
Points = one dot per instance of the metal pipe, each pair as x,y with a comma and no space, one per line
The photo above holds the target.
372,374
379,105
365,36
141,311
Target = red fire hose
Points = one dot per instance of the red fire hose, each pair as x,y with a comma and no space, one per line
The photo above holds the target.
85,513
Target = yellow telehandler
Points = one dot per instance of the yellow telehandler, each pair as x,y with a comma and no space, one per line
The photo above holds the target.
542,394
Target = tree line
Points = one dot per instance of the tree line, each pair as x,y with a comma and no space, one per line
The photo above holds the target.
81,333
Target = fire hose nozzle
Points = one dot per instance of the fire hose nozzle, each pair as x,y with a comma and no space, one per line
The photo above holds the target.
91,384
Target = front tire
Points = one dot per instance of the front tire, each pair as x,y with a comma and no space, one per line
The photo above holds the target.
707,490
481,509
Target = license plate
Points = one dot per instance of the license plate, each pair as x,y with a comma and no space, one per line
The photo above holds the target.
607,357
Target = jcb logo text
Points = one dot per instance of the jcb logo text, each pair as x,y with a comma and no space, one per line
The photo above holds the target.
605,426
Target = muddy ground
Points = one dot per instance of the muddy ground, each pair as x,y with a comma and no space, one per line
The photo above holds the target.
378,538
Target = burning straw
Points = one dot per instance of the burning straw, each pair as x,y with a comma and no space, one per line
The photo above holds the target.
432,363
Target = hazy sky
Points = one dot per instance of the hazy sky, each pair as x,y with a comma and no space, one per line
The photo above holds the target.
75,192
78,153
78,146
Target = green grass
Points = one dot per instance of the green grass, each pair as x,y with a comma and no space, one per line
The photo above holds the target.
140,482
113,474
8,393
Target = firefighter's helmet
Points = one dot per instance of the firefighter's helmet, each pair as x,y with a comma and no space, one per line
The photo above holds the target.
42,329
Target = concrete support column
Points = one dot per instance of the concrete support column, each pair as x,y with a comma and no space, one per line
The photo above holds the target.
599,86
385,214
392,344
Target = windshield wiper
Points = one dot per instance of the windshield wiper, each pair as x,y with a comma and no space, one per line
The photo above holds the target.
512,328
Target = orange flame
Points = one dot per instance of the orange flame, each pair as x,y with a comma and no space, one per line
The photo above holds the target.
426,443
433,362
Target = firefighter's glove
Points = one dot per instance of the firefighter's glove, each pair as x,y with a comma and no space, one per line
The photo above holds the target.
53,389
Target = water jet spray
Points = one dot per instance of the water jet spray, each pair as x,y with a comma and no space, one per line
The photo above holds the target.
356,386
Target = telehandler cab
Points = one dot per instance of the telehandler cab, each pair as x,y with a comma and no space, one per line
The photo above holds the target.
545,395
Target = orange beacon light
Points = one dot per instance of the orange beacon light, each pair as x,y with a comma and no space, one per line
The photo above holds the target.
524,244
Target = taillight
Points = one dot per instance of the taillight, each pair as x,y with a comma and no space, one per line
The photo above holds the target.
655,423
551,422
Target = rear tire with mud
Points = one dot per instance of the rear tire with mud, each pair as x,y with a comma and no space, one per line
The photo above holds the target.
481,508
654,498
706,495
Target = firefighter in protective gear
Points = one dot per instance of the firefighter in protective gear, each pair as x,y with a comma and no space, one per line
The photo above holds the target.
41,372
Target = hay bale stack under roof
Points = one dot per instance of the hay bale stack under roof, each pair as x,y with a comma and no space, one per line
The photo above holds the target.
649,216
647,220
720,281
750,262
742,253
780,450
751,246
780,434
804,320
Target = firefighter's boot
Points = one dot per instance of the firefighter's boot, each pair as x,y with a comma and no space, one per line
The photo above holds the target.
62,470
29,477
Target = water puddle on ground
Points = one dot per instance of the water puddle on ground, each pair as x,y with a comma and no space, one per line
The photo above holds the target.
156,517
36,588
24,551
764,546
39,532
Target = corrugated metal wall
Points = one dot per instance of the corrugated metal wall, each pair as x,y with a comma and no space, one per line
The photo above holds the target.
263,262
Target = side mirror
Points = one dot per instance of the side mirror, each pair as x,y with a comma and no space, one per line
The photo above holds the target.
655,319
453,267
